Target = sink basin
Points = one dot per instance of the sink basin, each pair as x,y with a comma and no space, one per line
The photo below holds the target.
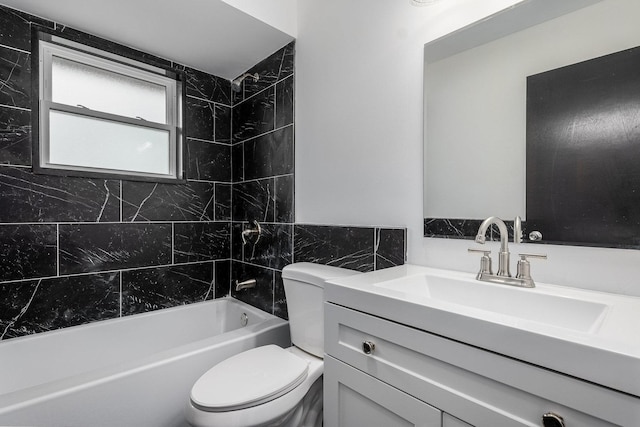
519,303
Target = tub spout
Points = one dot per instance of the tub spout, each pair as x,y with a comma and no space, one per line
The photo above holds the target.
251,283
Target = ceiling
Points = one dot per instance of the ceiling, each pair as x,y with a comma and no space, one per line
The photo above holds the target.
209,35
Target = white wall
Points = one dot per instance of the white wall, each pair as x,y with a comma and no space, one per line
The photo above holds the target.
359,132
280,14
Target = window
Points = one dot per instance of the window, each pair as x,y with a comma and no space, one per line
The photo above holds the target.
103,114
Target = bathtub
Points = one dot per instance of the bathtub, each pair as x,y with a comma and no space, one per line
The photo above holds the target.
132,371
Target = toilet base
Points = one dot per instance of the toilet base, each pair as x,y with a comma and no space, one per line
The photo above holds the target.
307,413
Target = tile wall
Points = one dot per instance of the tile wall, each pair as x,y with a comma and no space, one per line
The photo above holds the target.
78,250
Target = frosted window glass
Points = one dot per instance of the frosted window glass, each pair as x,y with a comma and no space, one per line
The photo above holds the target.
88,142
77,84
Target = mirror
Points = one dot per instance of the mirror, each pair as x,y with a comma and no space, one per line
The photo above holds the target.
475,102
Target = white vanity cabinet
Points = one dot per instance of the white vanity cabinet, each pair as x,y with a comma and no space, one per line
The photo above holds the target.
415,378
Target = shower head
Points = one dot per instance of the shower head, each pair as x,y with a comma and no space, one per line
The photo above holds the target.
236,85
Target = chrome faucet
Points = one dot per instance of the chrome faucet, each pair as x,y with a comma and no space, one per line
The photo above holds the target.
523,276
503,256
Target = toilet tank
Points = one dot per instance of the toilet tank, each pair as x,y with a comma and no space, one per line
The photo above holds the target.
304,288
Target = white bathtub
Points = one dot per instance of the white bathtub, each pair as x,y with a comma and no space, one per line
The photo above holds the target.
133,371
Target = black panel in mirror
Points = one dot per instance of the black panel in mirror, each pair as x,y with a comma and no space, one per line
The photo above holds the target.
583,152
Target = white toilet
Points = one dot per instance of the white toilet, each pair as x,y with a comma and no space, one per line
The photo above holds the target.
269,385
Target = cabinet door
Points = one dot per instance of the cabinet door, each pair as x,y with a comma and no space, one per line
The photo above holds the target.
355,399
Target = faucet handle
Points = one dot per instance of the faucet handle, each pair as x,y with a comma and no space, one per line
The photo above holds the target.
523,257
523,270
485,261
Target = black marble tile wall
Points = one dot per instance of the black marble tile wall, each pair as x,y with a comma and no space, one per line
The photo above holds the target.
356,248
77,250
448,228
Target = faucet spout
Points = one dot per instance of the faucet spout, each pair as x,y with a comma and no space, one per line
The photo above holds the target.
503,258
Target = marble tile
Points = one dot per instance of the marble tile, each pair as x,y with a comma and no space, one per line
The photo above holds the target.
451,228
390,247
222,124
254,116
208,161
222,207
144,201
460,228
27,251
237,247
28,197
43,305
156,288
279,297
274,247
15,78
285,102
205,241
237,162
207,86
15,30
15,137
271,69
199,118
269,155
254,200
222,278
285,211
261,296
100,247
338,246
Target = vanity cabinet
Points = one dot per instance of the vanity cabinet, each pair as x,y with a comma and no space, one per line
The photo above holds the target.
382,373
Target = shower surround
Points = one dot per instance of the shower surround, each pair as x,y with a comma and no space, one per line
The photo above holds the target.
79,250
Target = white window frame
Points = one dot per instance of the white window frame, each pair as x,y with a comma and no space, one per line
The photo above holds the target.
116,64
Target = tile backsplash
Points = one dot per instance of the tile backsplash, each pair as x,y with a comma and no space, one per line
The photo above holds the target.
77,250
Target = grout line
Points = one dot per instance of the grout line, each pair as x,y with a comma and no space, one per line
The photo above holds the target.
15,48
89,273
213,280
120,273
265,178
15,166
13,107
208,100
121,185
262,134
375,249
173,247
58,250
227,144
158,222
275,105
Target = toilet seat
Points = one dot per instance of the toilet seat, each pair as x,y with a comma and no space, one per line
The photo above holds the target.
251,378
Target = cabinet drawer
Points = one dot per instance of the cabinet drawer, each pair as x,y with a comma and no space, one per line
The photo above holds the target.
355,399
475,385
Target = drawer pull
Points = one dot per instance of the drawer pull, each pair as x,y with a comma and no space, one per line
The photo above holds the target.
552,420
368,347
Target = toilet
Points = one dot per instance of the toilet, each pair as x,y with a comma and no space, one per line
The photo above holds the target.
271,385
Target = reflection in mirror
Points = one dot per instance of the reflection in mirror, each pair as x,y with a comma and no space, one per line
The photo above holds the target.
475,102
583,151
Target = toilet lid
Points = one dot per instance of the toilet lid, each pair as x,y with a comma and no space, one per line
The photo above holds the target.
248,379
